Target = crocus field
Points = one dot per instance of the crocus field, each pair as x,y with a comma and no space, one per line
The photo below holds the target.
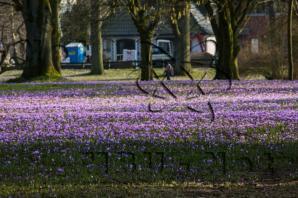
105,132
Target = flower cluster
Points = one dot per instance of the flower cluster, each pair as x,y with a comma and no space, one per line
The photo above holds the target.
252,111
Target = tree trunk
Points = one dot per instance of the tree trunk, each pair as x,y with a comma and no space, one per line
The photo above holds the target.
295,47
290,40
185,31
228,50
15,50
38,21
146,53
178,64
96,39
56,35
274,42
182,34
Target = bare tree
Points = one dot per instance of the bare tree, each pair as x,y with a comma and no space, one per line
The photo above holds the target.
146,16
180,22
100,11
75,21
295,38
228,17
41,19
290,39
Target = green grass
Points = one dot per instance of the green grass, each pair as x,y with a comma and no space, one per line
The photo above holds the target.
81,75
41,87
246,164
109,75
273,189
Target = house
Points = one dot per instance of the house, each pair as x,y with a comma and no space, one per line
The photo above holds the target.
121,40
258,27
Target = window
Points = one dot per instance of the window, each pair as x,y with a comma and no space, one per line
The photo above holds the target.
122,44
165,46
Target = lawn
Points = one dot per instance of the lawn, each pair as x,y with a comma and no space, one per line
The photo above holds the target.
81,75
110,74
111,138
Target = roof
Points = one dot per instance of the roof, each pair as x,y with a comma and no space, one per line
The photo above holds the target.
122,25
75,45
199,14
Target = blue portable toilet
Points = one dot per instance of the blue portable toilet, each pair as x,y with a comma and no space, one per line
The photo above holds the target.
76,53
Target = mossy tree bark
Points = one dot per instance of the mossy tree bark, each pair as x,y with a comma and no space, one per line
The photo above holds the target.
228,18
40,17
228,50
180,21
56,34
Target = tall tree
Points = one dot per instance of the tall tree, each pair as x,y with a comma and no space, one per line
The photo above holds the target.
274,41
146,15
180,21
100,11
228,18
96,38
41,20
290,39
295,39
56,35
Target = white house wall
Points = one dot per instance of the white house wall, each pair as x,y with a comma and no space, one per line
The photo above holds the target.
110,47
